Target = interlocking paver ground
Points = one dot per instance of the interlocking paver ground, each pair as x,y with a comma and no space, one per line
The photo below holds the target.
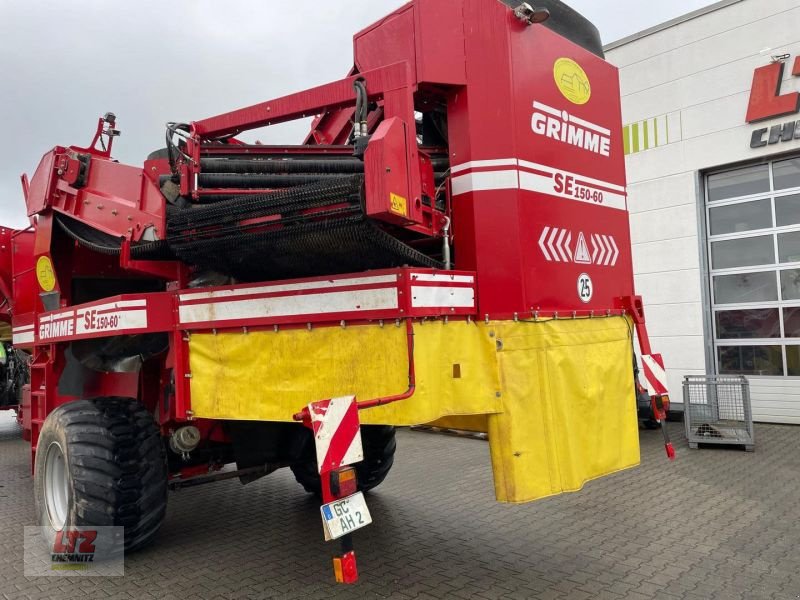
714,524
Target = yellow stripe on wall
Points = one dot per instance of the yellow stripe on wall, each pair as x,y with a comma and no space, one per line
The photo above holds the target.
638,137
626,139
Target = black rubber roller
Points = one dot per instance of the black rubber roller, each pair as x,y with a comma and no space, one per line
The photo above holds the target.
320,229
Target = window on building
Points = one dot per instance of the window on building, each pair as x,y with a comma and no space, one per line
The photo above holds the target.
753,230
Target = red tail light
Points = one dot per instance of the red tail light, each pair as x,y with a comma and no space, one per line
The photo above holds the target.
344,482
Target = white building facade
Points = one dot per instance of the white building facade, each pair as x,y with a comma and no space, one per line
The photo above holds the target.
711,103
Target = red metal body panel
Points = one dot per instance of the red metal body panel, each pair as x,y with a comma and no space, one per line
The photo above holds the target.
538,176
381,81
428,34
23,282
116,199
386,167
386,294
6,274
515,178
121,315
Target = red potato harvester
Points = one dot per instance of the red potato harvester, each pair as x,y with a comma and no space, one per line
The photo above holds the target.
450,244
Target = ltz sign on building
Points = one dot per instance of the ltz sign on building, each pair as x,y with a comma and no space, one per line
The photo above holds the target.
767,102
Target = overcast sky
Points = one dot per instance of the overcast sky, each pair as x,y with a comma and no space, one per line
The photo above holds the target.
63,64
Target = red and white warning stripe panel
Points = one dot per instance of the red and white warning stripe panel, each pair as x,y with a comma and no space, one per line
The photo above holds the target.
515,173
654,374
337,433
123,315
443,291
296,302
379,295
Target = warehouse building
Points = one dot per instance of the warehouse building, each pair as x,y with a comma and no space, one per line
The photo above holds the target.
711,103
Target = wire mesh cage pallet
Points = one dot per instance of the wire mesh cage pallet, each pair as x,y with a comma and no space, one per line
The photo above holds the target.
717,410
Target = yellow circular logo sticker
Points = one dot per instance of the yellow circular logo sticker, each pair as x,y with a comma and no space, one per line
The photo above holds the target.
45,274
572,81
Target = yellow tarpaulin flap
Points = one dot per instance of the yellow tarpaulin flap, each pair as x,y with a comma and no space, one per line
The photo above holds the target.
269,376
569,413
556,397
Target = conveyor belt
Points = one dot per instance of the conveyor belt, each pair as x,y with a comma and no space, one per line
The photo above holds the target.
97,241
304,231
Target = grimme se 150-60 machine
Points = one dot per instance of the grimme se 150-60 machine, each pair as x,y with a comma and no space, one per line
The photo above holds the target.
449,245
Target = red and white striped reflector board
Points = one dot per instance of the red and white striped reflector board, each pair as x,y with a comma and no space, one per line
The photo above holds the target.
655,374
380,295
337,432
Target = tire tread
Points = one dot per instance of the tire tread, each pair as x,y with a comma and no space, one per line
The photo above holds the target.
117,465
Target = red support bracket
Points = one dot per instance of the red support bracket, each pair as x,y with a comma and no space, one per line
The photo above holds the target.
168,270
337,441
653,367
634,306
322,99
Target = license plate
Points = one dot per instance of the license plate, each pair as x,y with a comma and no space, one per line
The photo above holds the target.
345,516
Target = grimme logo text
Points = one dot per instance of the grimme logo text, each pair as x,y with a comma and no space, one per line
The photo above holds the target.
569,129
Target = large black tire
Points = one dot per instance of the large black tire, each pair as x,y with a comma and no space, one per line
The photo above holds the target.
379,448
114,469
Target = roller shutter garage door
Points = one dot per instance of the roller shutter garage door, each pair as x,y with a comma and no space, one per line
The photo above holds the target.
753,235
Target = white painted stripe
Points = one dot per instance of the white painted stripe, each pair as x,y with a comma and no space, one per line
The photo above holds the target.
661,127
533,182
655,370
486,178
285,306
553,170
659,377
112,321
22,338
570,118
435,297
120,304
656,385
111,305
560,245
329,423
56,317
651,132
289,287
589,125
640,130
485,181
544,185
355,453
548,109
477,164
442,277
22,328
543,244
